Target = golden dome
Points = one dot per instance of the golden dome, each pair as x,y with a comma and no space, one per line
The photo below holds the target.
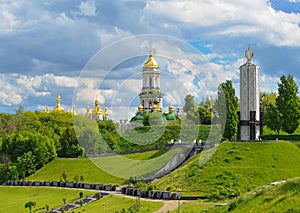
105,112
171,108
155,108
58,108
97,110
151,62
140,108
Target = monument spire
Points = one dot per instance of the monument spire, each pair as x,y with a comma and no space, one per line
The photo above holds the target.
249,115
249,53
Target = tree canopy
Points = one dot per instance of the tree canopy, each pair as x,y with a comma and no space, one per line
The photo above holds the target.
288,104
226,108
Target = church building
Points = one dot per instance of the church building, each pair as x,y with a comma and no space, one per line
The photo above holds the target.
151,97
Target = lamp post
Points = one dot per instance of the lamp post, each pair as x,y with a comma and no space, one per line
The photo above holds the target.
103,207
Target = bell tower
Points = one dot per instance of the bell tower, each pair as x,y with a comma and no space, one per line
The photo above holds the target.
249,116
150,94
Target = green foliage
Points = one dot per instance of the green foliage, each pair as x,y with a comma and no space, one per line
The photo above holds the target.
288,103
266,99
30,205
226,108
205,111
154,118
80,194
273,118
191,110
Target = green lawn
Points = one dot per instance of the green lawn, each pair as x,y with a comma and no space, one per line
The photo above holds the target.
13,199
120,167
140,164
115,203
280,198
244,165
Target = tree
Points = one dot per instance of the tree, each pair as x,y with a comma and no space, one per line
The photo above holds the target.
26,164
226,108
266,99
30,205
191,109
205,111
273,118
153,118
288,103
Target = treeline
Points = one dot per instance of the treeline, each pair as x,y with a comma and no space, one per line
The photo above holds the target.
29,140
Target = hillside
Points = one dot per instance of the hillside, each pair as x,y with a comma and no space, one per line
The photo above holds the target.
121,165
245,166
43,196
280,198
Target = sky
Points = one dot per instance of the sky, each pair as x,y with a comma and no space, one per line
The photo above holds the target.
91,49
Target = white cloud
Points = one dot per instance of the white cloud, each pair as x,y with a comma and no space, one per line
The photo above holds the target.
87,8
232,18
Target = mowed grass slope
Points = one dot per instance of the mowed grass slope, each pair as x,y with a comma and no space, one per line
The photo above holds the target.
242,165
117,166
280,198
114,203
13,199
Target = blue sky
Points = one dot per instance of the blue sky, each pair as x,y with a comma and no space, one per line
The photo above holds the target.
46,45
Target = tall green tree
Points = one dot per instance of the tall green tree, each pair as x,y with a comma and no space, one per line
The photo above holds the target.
288,103
266,99
205,111
226,108
191,109
272,118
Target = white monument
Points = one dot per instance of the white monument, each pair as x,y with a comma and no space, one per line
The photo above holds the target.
249,116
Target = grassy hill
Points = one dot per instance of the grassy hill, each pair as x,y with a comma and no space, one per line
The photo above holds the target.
235,165
115,203
280,198
53,197
120,167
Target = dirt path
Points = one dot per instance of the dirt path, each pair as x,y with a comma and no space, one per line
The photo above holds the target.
168,206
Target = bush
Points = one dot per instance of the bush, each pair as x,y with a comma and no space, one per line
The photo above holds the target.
281,137
232,206
81,194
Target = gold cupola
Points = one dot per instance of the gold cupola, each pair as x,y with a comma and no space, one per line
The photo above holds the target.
97,110
151,62
58,108
140,108
105,113
171,109
155,108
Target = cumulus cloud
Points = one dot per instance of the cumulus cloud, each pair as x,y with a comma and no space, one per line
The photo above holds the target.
43,52
87,8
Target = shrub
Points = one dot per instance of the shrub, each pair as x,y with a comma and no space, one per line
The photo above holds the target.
81,194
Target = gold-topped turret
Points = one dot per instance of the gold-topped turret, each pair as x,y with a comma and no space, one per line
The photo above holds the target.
46,109
58,108
105,113
249,53
151,62
171,109
155,108
97,110
140,108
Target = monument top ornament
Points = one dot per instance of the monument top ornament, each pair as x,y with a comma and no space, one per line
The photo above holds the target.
249,53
